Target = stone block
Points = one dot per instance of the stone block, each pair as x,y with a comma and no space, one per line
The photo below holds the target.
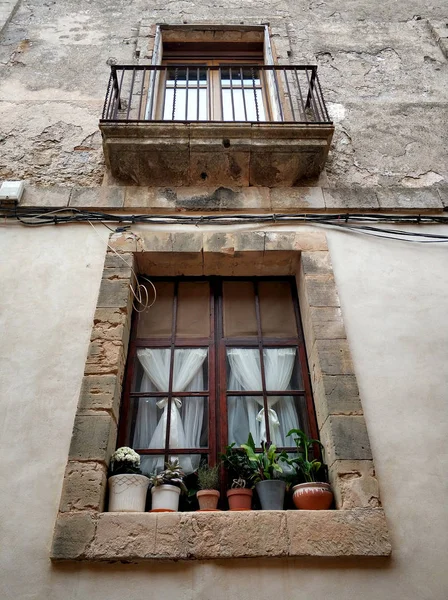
118,261
338,533
297,199
125,536
310,241
350,198
137,537
443,193
245,199
327,322
330,357
73,535
219,168
320,290
84,487
161,167
316,263
100,392
187,242
170,264
420,199
354,484
275,240
155,241
218,242
123,242
249,241
147,197
54,196
336,395
93,438
345,438
121,272
96,197
114,294
104,357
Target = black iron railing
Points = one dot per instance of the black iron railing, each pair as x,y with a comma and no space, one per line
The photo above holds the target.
229,93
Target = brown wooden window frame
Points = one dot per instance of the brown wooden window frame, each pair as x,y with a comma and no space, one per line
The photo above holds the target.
216,392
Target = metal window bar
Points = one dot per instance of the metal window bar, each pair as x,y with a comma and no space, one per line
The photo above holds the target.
299,98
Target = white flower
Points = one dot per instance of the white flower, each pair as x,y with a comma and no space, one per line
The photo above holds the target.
125,454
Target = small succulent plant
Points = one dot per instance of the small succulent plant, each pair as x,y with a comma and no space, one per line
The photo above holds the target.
171,475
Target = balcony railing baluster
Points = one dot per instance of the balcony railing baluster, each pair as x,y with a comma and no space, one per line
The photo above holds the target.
277,97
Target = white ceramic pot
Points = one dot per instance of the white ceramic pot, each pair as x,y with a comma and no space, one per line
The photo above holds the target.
127,493
165,498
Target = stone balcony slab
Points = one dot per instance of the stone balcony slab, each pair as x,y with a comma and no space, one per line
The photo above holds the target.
212,153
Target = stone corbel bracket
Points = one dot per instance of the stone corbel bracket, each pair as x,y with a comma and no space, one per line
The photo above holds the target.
358,528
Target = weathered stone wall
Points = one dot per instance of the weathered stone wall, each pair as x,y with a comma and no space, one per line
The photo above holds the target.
383,69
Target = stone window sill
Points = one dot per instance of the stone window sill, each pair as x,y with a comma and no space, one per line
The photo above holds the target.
138,537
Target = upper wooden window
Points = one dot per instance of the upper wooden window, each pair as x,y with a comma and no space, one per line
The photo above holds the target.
211,361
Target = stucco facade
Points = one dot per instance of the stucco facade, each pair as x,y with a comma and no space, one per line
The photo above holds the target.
383,70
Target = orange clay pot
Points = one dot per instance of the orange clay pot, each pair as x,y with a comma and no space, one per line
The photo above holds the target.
240,499
208,499
312,496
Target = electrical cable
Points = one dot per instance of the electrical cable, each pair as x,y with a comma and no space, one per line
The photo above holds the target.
355,222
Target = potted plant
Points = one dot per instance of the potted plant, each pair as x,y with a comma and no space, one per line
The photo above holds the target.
312,494
127,486
166,488
208,482
266,467
238,466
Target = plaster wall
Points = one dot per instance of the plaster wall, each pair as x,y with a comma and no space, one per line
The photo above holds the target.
393,298
383,68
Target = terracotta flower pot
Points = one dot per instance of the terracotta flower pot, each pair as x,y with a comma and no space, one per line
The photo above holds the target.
312,496
240,499
208,499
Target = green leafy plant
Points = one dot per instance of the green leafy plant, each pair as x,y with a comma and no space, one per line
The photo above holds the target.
265,464
171,475
208,477
124,461
237,465
303,463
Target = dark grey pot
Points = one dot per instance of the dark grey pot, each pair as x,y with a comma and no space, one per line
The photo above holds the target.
271,493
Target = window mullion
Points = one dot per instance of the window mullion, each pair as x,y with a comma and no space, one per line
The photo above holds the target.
263,374
170,382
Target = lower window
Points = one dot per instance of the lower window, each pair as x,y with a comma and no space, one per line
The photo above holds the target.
211,361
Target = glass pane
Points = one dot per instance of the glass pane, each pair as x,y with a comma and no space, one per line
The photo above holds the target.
157,320
254,102
242,414
190,372
243,369
180,78
193,316
277,309
152,370
239,309
246,413
280,369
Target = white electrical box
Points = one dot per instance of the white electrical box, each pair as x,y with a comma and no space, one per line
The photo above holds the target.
12,190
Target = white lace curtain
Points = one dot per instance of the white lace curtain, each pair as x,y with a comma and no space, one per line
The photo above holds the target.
187,415
247,413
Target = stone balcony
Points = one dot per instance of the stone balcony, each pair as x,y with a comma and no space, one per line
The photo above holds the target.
276,133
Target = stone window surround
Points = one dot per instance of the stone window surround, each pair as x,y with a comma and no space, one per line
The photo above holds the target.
84,532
